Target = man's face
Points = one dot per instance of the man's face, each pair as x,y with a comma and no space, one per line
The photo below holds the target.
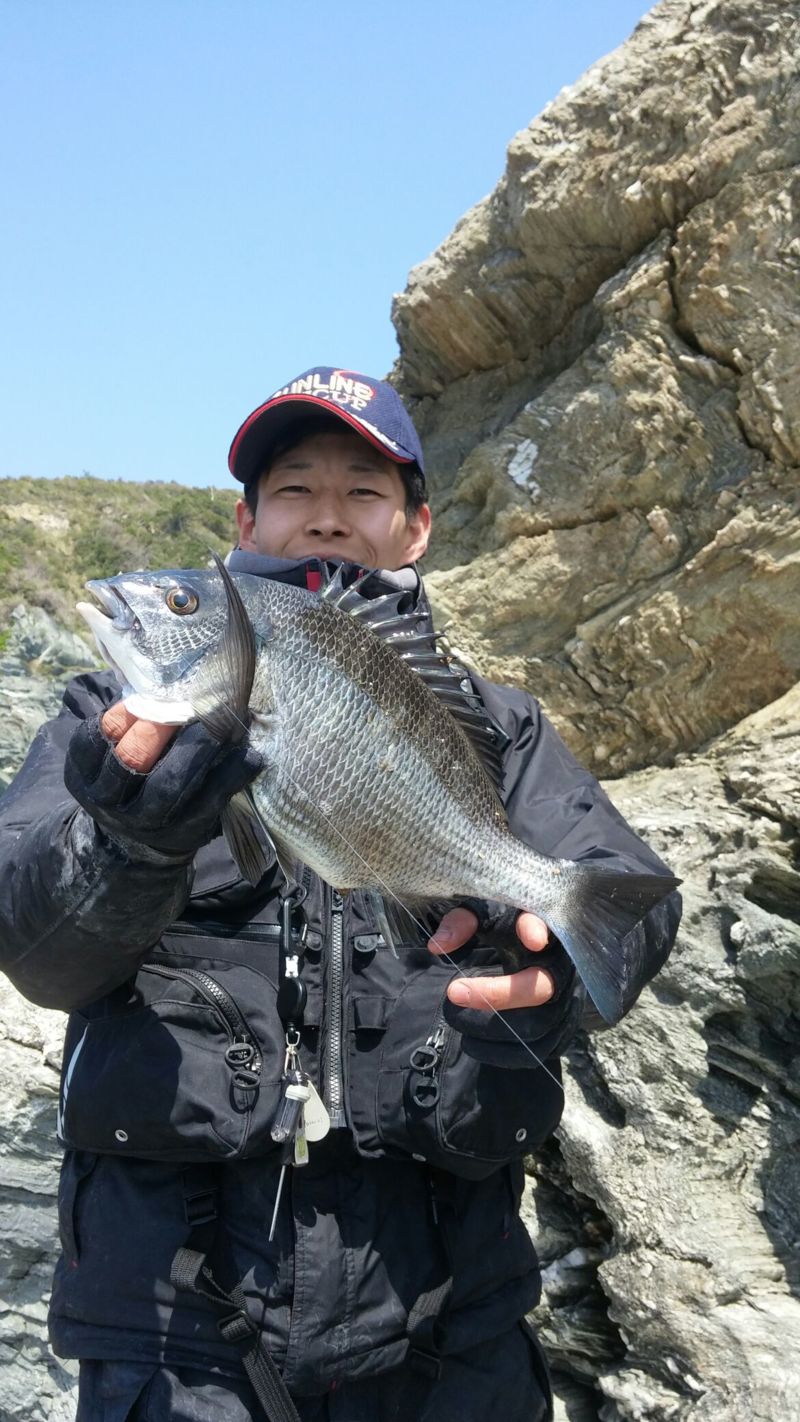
334,496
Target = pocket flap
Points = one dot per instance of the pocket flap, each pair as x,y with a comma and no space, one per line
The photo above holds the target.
371,1012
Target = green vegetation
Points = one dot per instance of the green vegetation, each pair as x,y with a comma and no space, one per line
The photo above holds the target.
56,533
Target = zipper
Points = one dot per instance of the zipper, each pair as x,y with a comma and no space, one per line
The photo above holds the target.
254,932
243,1053
334,1076
250,932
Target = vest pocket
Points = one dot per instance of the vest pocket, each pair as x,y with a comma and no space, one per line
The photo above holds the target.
76,1167
415,1091
173,1070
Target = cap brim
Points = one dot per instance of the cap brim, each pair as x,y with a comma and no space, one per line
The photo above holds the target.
264,427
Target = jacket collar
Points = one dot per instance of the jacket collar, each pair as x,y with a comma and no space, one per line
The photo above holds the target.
308,572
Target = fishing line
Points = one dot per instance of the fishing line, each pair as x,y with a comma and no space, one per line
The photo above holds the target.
423,930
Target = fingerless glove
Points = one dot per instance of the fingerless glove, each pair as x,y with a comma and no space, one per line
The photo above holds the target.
169,812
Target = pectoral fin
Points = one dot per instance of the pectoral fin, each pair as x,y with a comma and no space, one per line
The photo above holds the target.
245,838
222,699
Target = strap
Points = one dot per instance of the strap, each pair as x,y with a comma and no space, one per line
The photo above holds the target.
191,1273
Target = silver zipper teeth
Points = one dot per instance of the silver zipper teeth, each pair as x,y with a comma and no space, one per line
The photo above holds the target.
335,1090
210,988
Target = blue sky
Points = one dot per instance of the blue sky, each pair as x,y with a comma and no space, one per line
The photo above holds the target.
203,197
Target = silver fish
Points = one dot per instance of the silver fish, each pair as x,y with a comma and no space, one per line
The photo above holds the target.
375,760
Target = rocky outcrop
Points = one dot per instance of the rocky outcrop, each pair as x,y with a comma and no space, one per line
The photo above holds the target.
36,1387
604,360
38,658
668,1211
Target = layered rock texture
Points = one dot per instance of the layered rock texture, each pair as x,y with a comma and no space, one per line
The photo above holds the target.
604,362
668,1212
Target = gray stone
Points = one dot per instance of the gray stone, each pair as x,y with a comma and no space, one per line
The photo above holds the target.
38,657
681,1134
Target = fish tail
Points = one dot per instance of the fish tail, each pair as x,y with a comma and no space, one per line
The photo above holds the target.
593,918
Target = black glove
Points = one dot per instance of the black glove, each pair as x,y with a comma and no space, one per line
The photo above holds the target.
544,1030
172,809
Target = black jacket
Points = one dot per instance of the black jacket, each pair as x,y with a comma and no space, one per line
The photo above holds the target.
151,1091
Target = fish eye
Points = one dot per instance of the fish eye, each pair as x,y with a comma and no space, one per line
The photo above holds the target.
180,601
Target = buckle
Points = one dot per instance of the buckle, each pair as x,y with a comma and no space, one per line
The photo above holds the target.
428,1364
236,1327
201,1208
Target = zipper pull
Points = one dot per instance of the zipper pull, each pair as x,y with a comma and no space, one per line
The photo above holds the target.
437,1040
426,1060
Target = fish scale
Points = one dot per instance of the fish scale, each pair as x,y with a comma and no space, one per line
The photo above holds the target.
371,773
387,773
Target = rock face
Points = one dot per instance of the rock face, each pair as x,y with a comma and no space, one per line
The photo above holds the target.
35,1387
604,361
668,1213
38,658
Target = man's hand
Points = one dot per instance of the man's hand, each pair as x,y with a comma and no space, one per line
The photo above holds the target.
137,742
155,790
531,987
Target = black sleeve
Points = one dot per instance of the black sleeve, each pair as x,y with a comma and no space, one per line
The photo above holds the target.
557,807
77,913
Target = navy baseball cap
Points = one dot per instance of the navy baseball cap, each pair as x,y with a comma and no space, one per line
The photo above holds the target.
371,407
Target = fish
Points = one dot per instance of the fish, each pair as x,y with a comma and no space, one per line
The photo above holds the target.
381,770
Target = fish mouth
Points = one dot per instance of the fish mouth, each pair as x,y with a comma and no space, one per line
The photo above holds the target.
121,614
112,626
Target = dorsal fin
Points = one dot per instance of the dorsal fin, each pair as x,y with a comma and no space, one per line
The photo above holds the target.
408,633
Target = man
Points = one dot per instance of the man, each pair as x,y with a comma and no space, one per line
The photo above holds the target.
385,1278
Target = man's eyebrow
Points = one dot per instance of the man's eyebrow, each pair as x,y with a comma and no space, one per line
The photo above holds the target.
371,466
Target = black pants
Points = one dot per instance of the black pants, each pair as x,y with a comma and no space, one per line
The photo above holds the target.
504,1379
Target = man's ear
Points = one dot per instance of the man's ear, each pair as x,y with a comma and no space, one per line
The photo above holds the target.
419,532
245,521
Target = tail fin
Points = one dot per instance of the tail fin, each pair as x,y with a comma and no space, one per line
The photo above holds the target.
602,907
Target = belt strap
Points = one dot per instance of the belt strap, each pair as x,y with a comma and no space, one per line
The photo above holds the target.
191,1273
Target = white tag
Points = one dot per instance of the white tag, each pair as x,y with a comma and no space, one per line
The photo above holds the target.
316,1121
300,1146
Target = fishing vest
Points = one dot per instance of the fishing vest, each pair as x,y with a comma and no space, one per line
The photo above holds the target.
184,1062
